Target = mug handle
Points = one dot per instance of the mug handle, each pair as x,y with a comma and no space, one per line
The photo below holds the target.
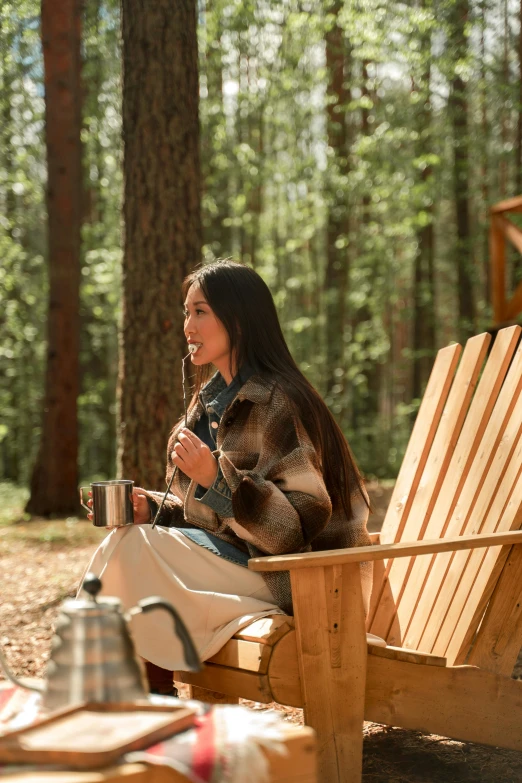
81,500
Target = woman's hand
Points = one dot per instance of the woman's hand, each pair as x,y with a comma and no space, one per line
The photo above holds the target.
195,459
139,505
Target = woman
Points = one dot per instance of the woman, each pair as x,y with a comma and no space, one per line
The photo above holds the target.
261,468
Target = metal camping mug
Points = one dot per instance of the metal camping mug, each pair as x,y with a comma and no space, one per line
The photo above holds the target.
111,503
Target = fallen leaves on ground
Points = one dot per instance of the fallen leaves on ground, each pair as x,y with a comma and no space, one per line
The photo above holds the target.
37,574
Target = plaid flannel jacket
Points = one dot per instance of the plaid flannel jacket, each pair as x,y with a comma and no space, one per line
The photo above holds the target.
279,499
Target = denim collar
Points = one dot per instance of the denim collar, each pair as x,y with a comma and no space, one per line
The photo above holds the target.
216,394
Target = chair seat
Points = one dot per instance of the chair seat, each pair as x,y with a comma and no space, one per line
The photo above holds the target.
260,662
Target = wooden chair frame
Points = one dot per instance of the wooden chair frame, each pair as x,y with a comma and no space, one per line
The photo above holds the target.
447,595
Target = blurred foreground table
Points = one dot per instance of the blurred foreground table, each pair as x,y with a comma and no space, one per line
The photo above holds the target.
224,741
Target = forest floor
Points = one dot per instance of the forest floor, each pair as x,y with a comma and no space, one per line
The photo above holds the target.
41,563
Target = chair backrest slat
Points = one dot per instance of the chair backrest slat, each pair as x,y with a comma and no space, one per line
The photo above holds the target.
486,491
420,442
413,610
433,475
499,639
479,565
413,464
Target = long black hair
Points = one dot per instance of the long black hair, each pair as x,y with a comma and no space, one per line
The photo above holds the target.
242,301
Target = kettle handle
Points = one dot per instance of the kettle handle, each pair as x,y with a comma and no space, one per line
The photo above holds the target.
10,676
191,655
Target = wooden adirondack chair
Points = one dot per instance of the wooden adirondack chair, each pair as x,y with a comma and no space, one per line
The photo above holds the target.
447,592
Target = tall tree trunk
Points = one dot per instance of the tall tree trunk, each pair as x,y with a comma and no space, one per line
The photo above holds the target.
458,112
516,258
214,139
7,151
484,168
518,162
10,446
162,241
424,276
55,475
504,111
337,229
365,405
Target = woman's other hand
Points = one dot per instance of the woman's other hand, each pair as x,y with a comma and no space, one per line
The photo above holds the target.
195,459
141,507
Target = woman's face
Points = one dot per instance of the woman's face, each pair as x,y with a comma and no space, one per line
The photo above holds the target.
204,330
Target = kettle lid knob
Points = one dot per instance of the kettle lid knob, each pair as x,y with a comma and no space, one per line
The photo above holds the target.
92,585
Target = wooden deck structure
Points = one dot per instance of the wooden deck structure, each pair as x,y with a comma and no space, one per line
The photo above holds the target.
503,230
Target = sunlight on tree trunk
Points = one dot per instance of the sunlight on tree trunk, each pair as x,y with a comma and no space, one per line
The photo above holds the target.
54,480
162,225
336,275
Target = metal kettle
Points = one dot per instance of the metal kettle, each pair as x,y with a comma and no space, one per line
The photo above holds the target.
92,653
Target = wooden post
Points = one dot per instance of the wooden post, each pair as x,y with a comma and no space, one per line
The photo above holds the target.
331,650
497,254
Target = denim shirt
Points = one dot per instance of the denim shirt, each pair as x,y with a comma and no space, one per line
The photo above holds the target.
216,396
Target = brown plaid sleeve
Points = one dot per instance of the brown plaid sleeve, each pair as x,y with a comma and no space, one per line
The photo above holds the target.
281,504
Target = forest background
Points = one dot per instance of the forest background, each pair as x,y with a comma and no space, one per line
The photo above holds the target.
348,151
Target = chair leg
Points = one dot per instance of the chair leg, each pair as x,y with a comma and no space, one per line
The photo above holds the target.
331,649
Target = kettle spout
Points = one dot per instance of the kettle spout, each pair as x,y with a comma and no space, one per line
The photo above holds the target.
189,649
10,676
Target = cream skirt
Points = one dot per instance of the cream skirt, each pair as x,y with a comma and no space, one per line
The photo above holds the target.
214,597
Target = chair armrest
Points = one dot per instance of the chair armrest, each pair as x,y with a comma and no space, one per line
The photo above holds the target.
382,552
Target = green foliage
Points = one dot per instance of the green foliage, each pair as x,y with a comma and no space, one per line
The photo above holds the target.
12,501
23,272
271,183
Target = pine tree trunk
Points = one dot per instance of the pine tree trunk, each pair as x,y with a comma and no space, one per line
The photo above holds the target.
365,407
214,140
505,110
55,475
518,162
424,282
10,446
516,258
458,112
337,229
162,220
484,168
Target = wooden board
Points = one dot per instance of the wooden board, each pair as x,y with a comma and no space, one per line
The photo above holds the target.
267,630
122,773
461,702
234,682
93,734
461,461
476,497
433,476
420,443
331,652
292,759
240,654
497,255
507,205
359,554
499,639
410,474
494,509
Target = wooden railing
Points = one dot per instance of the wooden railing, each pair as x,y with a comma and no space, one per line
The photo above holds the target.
502,230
